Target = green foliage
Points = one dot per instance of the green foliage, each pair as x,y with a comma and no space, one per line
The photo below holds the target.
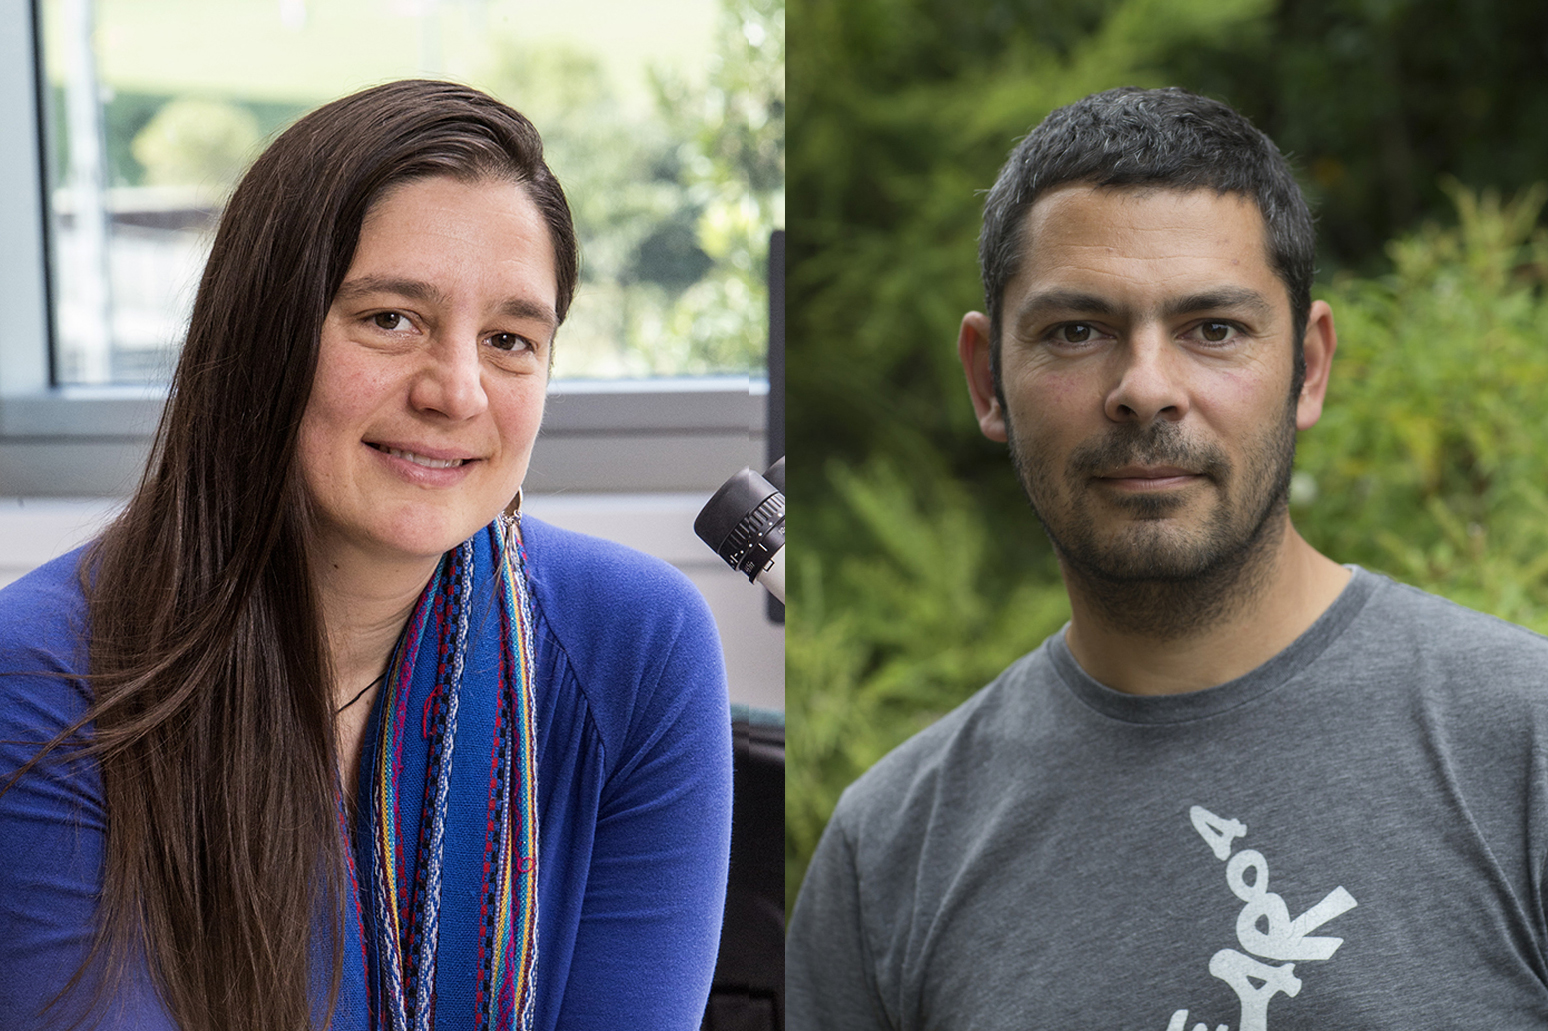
734,169
674,207
1377,100
1429,462
125,115
192,142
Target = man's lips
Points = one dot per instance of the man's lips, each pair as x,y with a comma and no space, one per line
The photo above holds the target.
1157,477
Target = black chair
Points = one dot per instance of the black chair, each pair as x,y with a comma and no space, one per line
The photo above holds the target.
748,993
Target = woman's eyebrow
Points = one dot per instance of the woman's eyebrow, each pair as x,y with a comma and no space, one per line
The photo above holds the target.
521,308
413,289
426,293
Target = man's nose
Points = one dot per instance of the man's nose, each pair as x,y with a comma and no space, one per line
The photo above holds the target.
1149,382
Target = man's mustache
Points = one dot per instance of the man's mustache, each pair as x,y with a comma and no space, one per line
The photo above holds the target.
1160,443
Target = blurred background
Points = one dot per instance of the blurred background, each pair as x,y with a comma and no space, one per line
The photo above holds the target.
1417,128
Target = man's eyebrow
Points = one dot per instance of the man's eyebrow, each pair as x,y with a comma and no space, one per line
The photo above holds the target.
1232,298
1069,301
1077,303
419,290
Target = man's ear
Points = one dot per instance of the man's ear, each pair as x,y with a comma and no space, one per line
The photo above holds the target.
973,349
1318,346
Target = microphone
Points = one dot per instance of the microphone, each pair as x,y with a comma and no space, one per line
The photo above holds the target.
775,474
744,523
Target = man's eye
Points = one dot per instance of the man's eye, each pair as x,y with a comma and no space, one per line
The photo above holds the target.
1073,333
1216,332
389,320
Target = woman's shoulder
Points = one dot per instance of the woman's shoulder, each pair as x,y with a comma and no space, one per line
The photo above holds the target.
43,646
631,633
43,619
580,580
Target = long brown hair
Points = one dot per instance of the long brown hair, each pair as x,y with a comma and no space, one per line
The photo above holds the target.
213,718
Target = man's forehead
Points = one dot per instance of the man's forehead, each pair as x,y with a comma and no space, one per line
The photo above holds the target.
1136,202
1079,223
1129,251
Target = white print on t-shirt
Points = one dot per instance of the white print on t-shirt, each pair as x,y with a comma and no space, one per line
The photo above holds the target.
1263,928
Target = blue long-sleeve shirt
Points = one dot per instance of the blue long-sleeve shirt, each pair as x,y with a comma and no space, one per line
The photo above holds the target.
634,793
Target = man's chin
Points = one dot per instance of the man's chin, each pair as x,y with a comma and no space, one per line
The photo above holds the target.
1146,553
1143,569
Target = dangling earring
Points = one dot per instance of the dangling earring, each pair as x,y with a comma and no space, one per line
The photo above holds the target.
510,521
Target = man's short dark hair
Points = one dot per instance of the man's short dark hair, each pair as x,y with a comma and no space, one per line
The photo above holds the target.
1163,138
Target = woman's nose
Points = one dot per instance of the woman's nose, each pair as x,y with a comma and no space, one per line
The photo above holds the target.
451,383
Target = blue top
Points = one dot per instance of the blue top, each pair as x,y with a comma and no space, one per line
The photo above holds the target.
634,792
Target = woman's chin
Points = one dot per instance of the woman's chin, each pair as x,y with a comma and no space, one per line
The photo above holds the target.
420,539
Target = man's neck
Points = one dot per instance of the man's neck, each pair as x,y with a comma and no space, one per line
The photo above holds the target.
1220,633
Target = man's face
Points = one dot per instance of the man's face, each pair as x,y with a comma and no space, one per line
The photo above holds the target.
1147,366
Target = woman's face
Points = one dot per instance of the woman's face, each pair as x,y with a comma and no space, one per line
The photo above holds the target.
431,371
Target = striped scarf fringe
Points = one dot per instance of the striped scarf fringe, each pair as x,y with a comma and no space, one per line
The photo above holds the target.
494,983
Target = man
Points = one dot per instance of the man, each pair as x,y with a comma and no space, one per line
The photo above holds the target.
1245,787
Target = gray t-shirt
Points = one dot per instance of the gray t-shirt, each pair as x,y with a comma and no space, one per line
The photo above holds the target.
1353,835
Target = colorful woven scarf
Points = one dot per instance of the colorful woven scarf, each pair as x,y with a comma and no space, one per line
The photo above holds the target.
444,859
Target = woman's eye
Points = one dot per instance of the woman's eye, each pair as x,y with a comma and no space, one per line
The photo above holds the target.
509,341
389,320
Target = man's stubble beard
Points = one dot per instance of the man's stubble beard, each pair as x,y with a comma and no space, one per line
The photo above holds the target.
1157,581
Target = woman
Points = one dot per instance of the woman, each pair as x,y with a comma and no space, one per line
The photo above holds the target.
343,744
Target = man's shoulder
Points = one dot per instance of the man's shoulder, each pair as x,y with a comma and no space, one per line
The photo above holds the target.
1464,675
1409,626
949,758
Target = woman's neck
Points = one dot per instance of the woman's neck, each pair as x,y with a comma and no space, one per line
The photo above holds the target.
364,603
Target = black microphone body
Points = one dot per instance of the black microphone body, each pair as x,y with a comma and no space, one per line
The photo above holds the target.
744,523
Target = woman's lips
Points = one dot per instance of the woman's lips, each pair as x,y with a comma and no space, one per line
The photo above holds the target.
430,467
419,459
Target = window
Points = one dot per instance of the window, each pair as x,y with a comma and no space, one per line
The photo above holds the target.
664,120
